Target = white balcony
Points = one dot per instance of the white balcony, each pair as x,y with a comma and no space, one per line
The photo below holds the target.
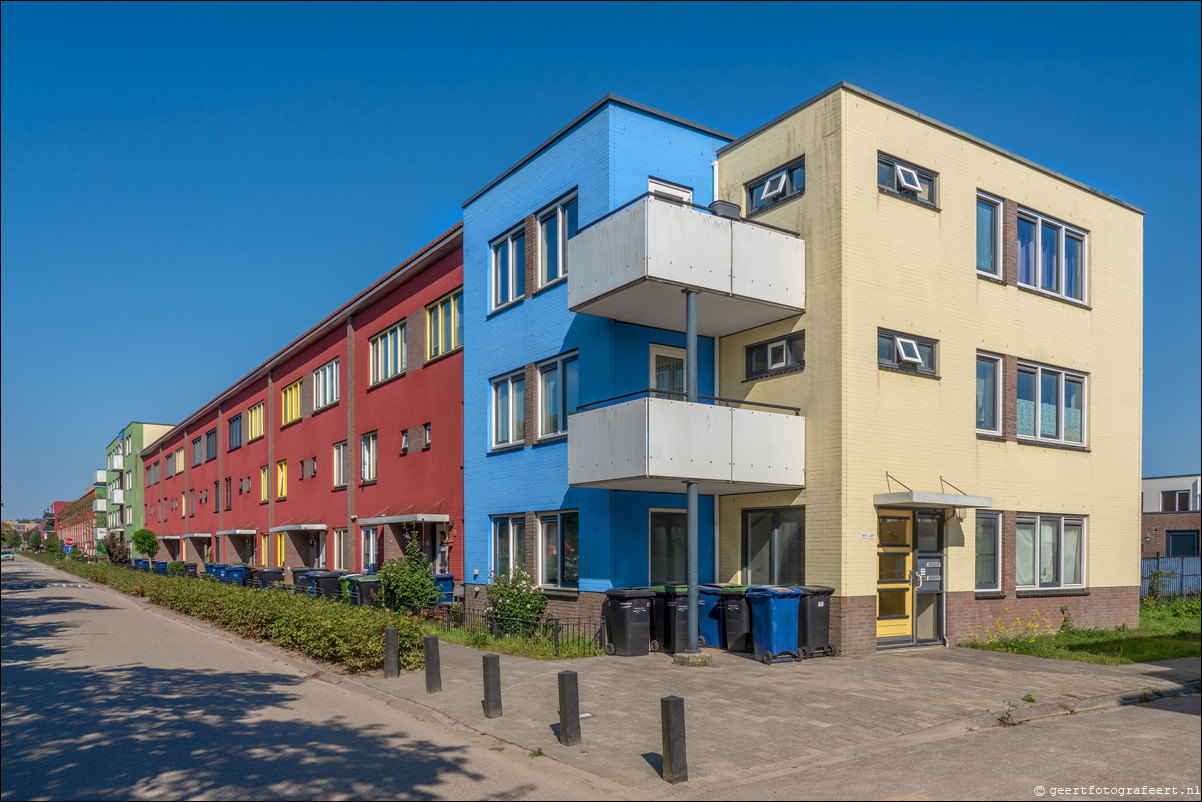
117,495
116,462
102,476
656,444
632,265
99,533
100,505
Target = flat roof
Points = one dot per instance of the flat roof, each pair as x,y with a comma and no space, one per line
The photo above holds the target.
933,122
609,98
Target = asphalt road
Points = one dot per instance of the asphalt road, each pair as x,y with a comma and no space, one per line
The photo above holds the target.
102,697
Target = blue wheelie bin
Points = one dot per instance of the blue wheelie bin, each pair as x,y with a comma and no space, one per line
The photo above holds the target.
160,567
774,622
236,574
710,623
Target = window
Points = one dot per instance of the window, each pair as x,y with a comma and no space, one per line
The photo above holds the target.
280,545
1049,551
367,468
234,440
1182,544
509,267
428,433
905,352
1050,404
340,562
905,179
404,442
263,486
778,186
210,444
264,557
290,403
444,325
558,390
988,394
667,189
774,546
229,492
559,549
667,371
340,464
217,496
197,452
989,534
555,227
190,508
1174,501
281,479
1051,256
321,550
776,356
325,385
509,410
509,544
989,235
371,549
388,353
667,536
255,422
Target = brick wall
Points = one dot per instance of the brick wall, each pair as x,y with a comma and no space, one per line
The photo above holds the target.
562,605
1105,608
853,624
1154,527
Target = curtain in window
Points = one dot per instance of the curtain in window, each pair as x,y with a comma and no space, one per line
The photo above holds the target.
571,551
1049,405
1072,411
986,551
1024,549
1049,551
1025,405
1073,267
1073,543
1049,274
1026,251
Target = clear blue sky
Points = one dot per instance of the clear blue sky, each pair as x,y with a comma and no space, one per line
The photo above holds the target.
187,187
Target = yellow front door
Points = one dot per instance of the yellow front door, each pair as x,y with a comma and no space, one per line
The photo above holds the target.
895,565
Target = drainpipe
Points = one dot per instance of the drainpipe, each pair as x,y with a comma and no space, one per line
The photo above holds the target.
714,167
690,372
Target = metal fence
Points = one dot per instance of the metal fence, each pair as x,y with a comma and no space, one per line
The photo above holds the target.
576,636
1172,576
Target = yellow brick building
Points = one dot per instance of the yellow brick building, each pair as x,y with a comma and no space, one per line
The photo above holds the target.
969,366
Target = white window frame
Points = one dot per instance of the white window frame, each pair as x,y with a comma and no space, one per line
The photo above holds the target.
774,365
321,550
996,584
325,385
907,177
1063,521
558,517
557,364
404,442
671,352
1064,376
368,452
907,350
369,536
775,187
508,242
996,203
339,548
384,363
509,520
997,393
339,461
1064,231
512,414
428,431
667,189
909,363
559,209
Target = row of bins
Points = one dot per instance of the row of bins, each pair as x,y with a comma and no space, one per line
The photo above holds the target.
774,622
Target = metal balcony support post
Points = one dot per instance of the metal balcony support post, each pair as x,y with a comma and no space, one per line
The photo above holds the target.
690,373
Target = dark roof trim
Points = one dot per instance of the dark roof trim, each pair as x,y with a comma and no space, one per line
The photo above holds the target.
930,121
562,132
1174,476
440,247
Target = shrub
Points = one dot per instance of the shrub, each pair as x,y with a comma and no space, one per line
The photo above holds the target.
146,542
116,549
515,604
1187,608
175,568
52,544
407,582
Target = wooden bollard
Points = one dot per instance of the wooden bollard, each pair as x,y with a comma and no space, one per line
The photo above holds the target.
676,765
492,686
392,653
433,666
569,709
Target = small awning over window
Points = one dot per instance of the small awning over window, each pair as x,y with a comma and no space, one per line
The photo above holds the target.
169,537
198,534
300,528
243,532
416,518
926,500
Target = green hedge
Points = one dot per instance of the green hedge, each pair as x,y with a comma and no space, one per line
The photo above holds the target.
333,632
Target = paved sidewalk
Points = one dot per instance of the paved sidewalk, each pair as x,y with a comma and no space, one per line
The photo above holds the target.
745,717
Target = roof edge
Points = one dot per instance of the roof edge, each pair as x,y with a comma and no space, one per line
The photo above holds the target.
590,111
844,85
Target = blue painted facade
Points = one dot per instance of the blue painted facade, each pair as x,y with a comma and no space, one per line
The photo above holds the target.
606,158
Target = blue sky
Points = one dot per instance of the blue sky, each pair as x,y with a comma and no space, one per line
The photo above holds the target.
186,188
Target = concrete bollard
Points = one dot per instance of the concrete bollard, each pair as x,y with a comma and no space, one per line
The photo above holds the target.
569,709
433,666
492,686
676,766
392,653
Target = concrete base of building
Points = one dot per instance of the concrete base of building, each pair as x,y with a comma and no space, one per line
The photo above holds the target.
969,614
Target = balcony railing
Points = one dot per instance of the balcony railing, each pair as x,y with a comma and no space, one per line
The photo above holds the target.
631,265
101,477
656,442
100,505
116,462
117,496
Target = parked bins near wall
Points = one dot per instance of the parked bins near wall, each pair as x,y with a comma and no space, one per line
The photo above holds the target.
670,618
160,567
236,574
736,618
710,627
774,622
814,621
367,588
349,591
628,621
190,570
250,579
445,584
299,585
270,577
325,584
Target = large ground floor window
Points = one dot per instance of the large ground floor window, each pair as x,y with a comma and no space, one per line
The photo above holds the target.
774,546
509,543
559,549
668,540
1049,551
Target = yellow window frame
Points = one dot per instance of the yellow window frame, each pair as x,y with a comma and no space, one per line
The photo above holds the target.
279,549
281,479
255,422
443,322
290,403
